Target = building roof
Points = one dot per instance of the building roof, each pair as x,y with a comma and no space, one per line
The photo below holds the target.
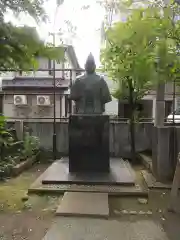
29,82
72,55
37,82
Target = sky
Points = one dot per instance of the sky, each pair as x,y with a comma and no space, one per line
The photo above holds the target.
88,23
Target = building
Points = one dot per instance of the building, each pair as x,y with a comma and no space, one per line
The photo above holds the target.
30,95
146,105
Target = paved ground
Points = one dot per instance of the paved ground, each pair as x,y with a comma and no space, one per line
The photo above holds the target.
24,225
96,229
30,220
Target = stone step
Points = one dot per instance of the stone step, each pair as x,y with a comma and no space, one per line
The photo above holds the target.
152,183
38,188
81,204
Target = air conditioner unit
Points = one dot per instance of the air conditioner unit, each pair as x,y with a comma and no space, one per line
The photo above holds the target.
43,101
20,100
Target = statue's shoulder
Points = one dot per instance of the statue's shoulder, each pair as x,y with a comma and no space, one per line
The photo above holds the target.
80,77
78,80
101,77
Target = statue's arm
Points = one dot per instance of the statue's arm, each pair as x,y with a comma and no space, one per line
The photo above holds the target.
105,93
74,91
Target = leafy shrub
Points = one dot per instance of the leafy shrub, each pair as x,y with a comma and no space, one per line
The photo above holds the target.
12,151
31,145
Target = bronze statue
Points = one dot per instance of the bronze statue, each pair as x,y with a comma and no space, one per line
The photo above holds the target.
90,91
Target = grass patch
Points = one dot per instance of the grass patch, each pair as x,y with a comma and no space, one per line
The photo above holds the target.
13,190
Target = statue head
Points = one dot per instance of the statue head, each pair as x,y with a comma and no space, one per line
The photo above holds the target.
90,65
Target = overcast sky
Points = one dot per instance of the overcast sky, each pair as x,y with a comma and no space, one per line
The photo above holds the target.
87,22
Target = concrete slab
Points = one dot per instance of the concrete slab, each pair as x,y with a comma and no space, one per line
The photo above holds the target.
84,205
98,229
152,183
120,174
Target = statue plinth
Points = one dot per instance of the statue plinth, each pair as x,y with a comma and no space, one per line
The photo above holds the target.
89,143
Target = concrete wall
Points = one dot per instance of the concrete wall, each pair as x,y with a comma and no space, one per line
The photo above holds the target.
148,137
32,110
119,137
111,108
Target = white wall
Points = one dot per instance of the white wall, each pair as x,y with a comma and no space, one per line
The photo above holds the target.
111,108
68,65
32,110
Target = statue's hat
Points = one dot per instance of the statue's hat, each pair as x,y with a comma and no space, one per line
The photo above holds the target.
90,59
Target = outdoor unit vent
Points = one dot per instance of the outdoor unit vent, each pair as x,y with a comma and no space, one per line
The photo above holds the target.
20,100
43,100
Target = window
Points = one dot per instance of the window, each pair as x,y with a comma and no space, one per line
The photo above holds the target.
168,107
177,111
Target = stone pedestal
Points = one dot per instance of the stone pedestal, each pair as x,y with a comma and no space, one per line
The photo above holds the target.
89,143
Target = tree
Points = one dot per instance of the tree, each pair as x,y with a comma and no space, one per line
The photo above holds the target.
34,8
139,55
19,46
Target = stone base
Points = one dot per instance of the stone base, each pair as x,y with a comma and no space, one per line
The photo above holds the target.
137,190
89,143
120,174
